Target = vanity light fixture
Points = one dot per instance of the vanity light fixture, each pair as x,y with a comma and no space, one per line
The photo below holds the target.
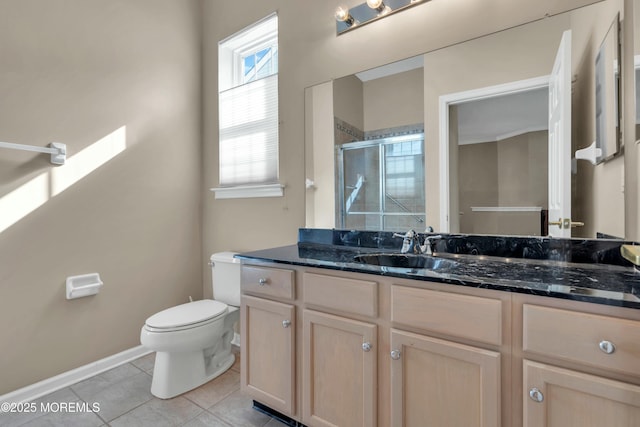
348,19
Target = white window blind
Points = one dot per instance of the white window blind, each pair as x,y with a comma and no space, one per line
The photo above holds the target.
249,133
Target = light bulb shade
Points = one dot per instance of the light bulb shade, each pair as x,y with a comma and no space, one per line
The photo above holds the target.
342,13
378,6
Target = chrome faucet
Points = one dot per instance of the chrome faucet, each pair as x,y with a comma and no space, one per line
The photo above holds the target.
427,248
411,243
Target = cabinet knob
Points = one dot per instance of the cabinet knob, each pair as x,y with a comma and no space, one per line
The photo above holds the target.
395,354
536,395
607,346
366,346
286,323
262,281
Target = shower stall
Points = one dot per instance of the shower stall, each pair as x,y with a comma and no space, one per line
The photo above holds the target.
381,184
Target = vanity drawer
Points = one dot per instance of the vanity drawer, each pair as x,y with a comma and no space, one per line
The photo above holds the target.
604,342
342,294
272,282
463,316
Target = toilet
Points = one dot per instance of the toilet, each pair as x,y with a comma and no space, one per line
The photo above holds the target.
192,341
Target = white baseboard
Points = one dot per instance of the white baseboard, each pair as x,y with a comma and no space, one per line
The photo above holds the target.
73,376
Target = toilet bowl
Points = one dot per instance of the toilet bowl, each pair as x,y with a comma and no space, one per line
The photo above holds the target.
192,341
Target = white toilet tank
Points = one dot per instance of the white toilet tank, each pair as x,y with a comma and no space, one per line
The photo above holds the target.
225,277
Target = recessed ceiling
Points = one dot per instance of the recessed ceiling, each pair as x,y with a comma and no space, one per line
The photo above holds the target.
502,117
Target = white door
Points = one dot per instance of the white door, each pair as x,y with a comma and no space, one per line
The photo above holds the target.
560,141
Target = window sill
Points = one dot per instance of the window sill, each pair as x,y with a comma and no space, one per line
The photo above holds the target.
249,191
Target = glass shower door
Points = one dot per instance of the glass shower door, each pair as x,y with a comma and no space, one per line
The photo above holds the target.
381,184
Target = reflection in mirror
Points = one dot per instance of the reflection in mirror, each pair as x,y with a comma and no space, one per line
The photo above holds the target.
373,108
636,63
502,163
557,83
608,95
380,148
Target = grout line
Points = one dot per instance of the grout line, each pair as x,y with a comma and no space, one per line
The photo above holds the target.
193,401
70,387
133,409
218,418
195,416
114,384
141,370
221,400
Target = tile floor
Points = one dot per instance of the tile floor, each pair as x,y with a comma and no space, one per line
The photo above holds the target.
125,401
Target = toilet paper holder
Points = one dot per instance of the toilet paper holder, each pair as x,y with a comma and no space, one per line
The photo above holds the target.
83,285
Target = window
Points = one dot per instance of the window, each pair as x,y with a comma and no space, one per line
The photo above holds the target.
248,112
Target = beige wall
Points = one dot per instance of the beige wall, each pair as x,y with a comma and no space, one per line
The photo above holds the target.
478,181
393,101
507,173
74,71
382,103
348,101
523,171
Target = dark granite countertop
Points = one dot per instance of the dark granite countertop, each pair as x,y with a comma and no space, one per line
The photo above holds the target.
576,269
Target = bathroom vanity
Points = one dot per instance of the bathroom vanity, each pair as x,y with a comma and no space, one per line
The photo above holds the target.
503,332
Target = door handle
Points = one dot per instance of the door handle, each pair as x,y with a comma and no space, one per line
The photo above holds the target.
566,223
560,223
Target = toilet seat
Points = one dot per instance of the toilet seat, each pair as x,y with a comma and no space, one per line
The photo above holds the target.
186,316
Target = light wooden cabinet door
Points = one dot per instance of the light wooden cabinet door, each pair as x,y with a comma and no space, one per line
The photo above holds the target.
339,371
565,398
437,383
268,352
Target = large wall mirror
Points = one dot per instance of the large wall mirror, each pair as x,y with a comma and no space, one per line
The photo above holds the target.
457,139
